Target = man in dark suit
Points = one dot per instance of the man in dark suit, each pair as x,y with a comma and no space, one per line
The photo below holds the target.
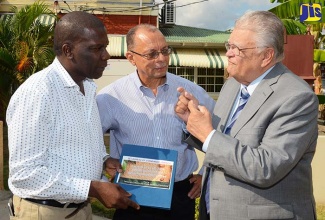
262,136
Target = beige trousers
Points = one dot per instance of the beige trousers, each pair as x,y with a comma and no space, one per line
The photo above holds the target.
25,210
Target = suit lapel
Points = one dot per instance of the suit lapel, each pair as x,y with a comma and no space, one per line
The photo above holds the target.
252,106
225,102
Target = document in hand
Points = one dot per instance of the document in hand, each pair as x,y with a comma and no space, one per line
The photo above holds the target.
148,173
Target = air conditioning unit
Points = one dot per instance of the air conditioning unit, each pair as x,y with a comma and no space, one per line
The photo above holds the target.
168,13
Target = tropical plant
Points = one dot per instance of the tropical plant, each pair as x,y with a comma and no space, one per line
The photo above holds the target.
290,10
25,48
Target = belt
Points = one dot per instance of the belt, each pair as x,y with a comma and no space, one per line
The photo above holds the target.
54,203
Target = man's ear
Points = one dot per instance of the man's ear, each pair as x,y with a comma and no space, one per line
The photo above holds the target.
130,57
67,51
268,56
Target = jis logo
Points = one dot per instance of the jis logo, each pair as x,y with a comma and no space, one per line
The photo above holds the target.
310,12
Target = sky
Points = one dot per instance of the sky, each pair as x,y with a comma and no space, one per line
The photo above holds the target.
215,14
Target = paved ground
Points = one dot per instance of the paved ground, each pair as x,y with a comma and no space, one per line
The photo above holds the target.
4,196
4,215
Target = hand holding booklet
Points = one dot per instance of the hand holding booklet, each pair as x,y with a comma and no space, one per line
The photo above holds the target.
148,174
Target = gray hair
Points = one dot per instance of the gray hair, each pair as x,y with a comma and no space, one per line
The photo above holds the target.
131,35
269,30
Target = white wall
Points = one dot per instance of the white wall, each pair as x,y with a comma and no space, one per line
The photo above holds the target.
116,69
318,165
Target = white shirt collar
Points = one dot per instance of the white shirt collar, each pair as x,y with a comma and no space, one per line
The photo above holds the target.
252,86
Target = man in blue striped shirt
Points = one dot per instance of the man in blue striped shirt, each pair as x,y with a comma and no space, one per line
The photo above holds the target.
139,109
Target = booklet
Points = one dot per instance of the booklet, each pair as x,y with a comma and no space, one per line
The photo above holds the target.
149,174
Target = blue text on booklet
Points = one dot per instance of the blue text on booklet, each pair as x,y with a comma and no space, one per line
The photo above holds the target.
148,174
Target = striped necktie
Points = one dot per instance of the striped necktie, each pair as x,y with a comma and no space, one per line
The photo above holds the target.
244,95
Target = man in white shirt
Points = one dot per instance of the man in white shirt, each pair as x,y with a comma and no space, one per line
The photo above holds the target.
55,141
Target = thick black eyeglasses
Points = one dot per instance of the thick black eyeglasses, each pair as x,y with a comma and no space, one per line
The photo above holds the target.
154,54
235,49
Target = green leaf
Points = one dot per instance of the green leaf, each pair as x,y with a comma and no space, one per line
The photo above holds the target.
319,56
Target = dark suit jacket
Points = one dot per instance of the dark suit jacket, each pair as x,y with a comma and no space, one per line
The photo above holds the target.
262,170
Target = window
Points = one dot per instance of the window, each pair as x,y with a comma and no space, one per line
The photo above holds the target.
209,79
185,72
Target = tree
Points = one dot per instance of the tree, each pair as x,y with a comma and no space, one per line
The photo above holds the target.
25,48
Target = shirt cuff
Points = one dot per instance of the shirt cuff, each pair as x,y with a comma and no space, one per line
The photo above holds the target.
207,141
104,159
184,128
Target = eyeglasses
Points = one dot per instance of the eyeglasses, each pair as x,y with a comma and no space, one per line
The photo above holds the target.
235,49
154,54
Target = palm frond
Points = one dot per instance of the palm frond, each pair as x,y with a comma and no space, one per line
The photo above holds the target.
290,9
294,27
25,47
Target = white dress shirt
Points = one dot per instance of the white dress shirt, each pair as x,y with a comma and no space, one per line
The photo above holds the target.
55,141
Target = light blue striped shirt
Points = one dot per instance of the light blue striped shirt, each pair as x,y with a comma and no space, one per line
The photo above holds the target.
134,115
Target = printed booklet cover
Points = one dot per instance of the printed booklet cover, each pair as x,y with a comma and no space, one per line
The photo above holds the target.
148,173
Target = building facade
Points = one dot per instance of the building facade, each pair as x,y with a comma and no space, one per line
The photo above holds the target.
198,54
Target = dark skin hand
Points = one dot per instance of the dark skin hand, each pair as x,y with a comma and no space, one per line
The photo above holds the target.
112,166
112,195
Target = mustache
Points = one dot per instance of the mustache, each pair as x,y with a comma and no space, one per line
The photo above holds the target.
160,65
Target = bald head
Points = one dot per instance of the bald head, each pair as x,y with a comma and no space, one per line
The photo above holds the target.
72,27
131,35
